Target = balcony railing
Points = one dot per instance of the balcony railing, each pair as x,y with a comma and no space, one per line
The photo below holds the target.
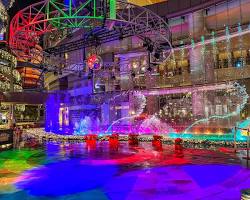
220,75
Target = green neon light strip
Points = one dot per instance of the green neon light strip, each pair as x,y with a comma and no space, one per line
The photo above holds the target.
80,24
112,9
78,17
72,13
94,8
70,8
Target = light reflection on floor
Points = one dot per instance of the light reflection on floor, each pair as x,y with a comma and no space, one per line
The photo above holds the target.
69,172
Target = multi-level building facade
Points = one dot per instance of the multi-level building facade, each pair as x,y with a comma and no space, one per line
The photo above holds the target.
210,41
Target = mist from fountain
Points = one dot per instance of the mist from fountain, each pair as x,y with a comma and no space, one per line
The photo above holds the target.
153,125
87,126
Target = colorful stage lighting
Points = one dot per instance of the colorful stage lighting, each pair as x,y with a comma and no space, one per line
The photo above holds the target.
94,62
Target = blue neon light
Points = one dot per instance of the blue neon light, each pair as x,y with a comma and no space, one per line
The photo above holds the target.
52,113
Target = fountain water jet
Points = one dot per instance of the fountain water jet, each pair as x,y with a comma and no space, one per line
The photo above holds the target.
86,126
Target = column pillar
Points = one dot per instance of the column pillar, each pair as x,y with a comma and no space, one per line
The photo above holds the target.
201,62
152,101
196,30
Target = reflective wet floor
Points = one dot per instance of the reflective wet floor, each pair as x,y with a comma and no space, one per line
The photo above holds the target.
101,172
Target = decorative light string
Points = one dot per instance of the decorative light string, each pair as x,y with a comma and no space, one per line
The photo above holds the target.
203,50
4,55
192,43
228,47
4,6
214,47
204,141
241,45
8,71
182,51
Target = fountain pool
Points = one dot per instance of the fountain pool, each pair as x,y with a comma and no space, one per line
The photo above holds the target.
74,171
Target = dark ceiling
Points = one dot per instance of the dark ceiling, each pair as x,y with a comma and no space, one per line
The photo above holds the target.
20,4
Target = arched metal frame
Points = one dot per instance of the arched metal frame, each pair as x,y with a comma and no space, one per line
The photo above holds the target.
103,21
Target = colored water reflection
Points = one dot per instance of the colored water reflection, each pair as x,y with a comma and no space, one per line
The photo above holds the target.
13,163
130,172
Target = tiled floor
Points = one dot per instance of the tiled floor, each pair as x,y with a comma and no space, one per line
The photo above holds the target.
79,172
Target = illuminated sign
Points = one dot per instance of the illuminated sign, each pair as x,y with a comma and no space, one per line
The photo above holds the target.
94,62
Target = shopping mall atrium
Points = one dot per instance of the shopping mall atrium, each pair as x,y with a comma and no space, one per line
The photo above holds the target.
124,99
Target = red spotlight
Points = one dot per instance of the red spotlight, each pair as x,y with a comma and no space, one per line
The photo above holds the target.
178,148
157,142
91,140
133,139
114,141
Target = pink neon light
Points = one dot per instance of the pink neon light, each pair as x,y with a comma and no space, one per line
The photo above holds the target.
161,91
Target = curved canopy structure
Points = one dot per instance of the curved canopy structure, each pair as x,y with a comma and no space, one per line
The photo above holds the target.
102,21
